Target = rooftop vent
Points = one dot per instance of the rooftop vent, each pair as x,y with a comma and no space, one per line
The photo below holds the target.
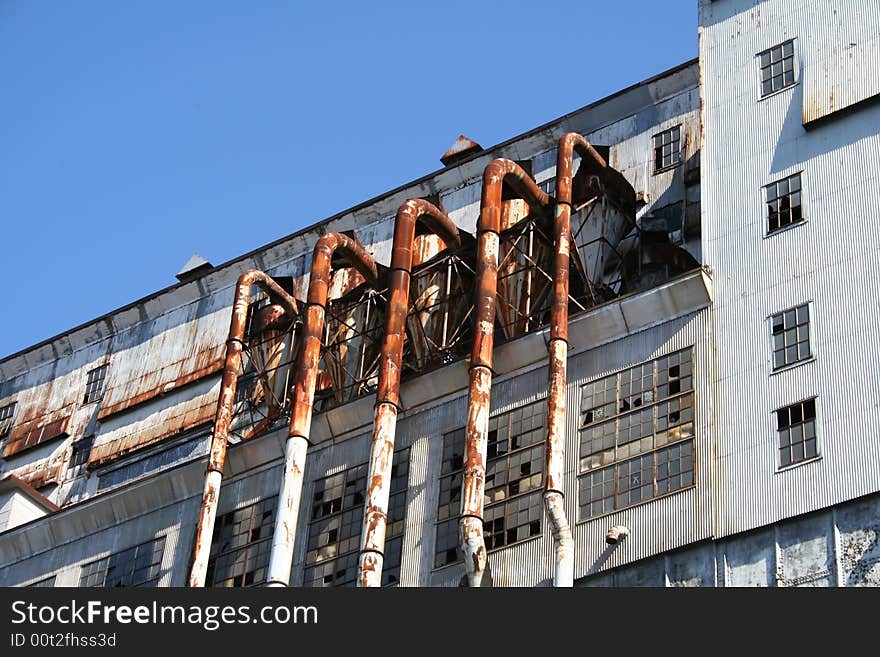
194,267
462,148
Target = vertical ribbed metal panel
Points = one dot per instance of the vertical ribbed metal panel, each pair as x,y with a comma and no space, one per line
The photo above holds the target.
831,260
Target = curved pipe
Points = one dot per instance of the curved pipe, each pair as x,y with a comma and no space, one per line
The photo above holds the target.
480,373
388,393
306,375
554,497
223,416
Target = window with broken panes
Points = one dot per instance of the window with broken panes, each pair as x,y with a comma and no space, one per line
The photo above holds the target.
667,149
777,68
784,203
95,384
140,565
337,522
791,336
241,544
636,436
514,480
80,454
7,414
796,427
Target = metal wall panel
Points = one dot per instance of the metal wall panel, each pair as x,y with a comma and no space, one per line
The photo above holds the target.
830,260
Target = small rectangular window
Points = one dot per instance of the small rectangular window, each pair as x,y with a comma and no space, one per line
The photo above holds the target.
667,149
548,186
796,428
7,414
95,384
777,68
140,565
791,336
783,199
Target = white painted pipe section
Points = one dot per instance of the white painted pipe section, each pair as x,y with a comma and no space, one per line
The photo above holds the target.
281,556
563,576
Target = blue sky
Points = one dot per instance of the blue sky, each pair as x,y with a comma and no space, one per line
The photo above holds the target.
135,133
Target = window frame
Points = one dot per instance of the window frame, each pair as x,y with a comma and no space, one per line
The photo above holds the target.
213,558
148,583
775,430
810,337
89,393
6,424
400,456
658,170
795,68
653,451
502,504
765,215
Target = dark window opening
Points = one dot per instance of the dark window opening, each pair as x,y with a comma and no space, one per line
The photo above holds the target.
7,414
667,149
784,203
796,428
95,384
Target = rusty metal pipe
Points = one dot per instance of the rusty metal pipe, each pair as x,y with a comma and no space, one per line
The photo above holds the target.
223,416
297,443
388,392
554,497
497,173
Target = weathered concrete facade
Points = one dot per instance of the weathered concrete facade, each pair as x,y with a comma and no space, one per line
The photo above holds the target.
671,391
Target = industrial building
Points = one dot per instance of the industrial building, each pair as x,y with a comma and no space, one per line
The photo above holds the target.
635,346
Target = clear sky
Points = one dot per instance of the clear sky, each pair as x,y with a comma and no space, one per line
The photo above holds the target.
133,134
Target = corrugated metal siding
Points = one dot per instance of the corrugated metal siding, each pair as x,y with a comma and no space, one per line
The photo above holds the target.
830,260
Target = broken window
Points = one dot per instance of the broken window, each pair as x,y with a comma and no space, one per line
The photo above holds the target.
337,520
95,384
80,453
241,544
791,336
140,565
667,149
796,427
784,203
7,414
636,437
777,68
514,482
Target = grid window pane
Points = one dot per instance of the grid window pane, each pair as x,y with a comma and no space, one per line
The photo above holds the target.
644,448
667,149
7,413
777,68
796,431
514,481
790,334
241,544
784,203
337,523
95,384
135,566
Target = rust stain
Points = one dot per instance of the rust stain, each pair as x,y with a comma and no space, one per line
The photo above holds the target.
26,435
41,473
208,361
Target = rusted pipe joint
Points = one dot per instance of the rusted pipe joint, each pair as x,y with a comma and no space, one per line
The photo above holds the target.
616,534
396,406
